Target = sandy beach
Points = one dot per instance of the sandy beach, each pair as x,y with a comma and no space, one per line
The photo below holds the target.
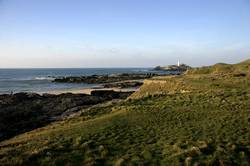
89,90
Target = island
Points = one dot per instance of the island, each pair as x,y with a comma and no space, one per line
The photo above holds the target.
171,68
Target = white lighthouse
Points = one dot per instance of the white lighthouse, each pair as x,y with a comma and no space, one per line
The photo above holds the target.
178,63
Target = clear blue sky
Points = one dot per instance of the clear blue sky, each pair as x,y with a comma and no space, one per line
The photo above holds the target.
123,33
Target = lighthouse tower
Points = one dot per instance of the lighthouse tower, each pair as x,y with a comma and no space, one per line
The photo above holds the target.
178,63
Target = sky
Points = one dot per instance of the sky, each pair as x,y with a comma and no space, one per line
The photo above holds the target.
122,33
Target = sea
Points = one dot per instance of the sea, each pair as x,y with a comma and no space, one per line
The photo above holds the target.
41,80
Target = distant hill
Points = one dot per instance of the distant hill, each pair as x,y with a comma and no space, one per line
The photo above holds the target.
196,79
222,68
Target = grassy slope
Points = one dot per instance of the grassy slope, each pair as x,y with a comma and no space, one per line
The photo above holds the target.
195,118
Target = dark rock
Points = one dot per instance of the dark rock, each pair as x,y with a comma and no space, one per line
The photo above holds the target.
240,75
110,94
100,79
125,84
22,112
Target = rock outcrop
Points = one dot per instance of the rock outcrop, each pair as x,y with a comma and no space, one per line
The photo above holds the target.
100,79
22,112
124,84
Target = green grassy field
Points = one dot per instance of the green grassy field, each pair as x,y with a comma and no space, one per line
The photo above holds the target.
200,118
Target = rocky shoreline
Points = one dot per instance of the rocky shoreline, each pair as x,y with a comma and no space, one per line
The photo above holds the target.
103,79
22,112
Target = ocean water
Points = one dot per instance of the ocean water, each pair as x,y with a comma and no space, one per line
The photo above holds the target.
40,80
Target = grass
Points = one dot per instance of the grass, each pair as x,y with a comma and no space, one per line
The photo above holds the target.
194,119
222,68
